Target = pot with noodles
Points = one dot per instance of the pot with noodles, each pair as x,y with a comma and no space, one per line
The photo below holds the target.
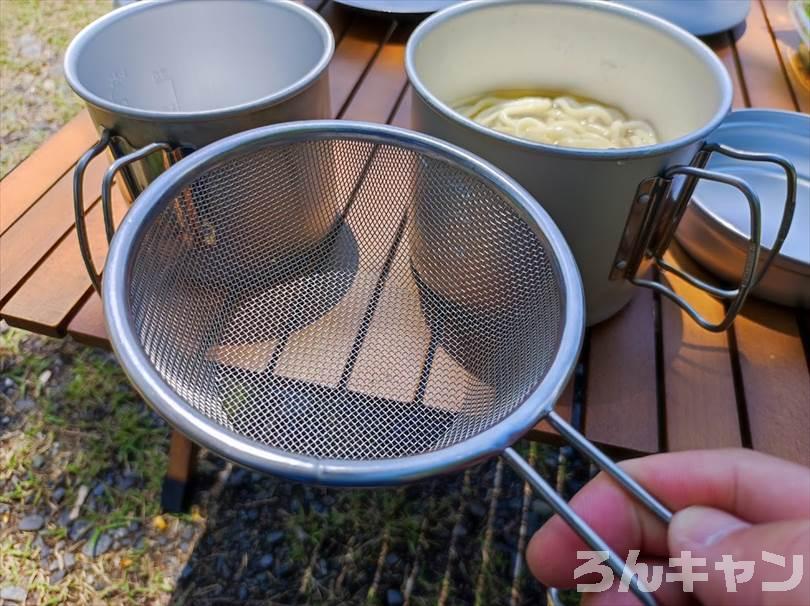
601,112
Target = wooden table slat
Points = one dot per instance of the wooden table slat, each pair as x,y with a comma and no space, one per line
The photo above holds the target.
48,298
775,378
787,42
27,183
352,58
723,45
28,241
87,326
701,401
621,402
760,64
373,100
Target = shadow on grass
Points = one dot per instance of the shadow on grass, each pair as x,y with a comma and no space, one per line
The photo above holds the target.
451,540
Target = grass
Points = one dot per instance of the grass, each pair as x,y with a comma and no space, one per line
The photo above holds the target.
35,99
82,403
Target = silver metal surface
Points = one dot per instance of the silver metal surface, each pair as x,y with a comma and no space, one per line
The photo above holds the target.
715,229
241,64
368,357
339,363
585,532
609,467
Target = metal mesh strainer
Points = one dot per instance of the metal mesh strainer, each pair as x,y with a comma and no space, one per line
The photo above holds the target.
346,304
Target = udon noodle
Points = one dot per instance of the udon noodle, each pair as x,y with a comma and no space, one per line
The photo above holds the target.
562,120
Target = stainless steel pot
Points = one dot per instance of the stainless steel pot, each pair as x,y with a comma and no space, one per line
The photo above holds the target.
618,208
162,79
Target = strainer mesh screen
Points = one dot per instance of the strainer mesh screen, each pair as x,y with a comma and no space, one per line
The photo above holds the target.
346,299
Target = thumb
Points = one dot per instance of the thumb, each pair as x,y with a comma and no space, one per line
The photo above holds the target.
738,578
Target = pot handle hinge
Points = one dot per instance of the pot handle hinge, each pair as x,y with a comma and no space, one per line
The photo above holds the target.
656,212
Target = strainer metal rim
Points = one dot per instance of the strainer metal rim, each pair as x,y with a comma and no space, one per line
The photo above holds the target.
167,403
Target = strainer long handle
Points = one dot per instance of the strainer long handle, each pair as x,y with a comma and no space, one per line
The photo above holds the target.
561,508
586,533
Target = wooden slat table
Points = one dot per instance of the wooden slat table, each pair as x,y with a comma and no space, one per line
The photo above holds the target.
648,380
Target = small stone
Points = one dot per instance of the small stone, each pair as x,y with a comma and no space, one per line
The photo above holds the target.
126,481
120,533
541,508
64,519
275,537
57,495
30,46
237,477
187,533
31,523
5,420
266,561
101,545
184,547
99,489
8,383
393,597
69,560
78,530
13,594
460,531
38,461
57,576
44,377
24,405
49,85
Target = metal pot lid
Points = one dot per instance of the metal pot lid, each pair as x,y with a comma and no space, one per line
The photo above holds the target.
400,6
698,17
715,228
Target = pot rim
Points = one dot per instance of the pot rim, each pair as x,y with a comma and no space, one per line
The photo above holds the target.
83,38
664,27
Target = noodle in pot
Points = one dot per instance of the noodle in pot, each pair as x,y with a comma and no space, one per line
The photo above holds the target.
557,120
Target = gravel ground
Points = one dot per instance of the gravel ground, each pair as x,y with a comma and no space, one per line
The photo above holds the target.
82,458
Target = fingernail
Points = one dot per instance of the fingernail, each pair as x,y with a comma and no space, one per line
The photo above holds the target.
700,527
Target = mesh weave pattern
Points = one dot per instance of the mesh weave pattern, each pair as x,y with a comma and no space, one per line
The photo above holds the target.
346,299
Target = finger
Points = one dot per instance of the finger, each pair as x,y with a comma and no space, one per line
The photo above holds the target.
744,482
666,594
711,534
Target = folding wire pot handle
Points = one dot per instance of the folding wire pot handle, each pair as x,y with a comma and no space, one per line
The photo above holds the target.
656,212
365,358
105,141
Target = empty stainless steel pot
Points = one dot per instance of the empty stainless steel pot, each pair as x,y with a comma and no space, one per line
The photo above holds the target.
161,79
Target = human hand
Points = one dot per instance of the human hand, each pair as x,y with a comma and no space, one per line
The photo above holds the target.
736,502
